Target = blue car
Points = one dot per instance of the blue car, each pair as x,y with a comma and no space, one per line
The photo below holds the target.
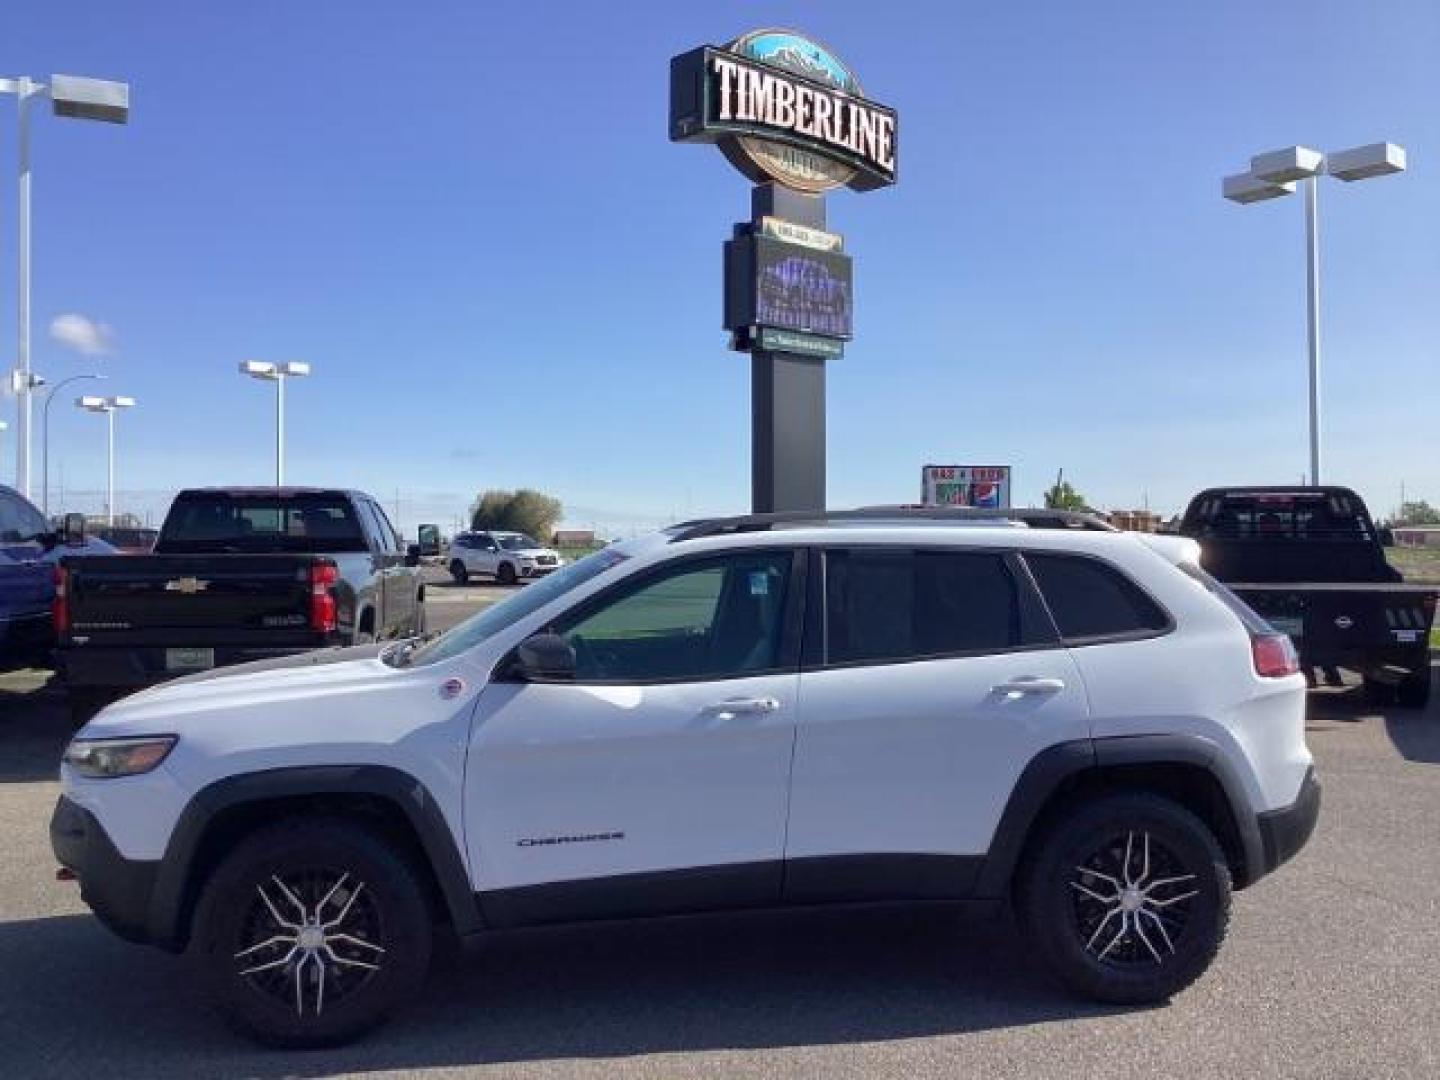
29,549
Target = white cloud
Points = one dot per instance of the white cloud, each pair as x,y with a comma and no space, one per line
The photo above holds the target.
82,334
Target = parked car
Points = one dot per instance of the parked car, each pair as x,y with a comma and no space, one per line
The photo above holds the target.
1312,562
128,540
734,713
29,550
505,556
236,574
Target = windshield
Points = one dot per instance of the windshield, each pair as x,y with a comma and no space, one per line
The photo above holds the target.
19,521
260,524
516,541
509,611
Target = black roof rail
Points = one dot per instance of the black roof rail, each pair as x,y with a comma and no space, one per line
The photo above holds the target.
1034,517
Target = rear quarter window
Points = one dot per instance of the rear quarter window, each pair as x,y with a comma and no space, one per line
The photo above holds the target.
1091,600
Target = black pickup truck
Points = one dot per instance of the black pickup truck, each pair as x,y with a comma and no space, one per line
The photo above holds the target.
236,574
1312,562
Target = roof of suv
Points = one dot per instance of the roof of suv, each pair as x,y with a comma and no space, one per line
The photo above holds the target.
901,516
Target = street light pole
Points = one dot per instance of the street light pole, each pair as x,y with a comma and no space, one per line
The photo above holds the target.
280,432
1274,175
45,438
268,371
1312,320
24,88
109,406
82,99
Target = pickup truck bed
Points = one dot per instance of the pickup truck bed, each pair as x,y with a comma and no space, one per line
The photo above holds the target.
1310,561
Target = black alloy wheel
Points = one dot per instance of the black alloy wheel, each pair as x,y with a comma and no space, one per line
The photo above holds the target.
311,932
1127,899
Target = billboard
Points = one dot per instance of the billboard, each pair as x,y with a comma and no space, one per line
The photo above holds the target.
786,286
985,487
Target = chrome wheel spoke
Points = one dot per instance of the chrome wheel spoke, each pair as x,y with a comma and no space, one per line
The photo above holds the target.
285,891
1171,900
1096,935
1125,867
275,914
1140,931
350,939
1114,883
343,962
1119,934
1168,881
278,939
272,964
333,888
1159,925
343,911
1093,894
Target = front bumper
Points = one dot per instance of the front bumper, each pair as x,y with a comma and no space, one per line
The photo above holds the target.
117,889
1285,831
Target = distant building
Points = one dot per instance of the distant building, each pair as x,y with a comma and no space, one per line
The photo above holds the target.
574,538
1135,520
1417,535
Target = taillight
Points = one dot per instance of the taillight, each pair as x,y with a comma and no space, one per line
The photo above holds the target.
1274,655
60,605
322,603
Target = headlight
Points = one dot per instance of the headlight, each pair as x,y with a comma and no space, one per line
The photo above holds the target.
107,758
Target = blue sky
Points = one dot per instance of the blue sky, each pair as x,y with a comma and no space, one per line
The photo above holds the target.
468,218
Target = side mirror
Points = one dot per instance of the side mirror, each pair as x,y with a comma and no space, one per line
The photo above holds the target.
73,531
412,555
1387,536
544,658
429,537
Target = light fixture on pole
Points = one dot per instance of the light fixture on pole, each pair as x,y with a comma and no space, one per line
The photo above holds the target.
1274,175
78,98
276,373
45,438
109,406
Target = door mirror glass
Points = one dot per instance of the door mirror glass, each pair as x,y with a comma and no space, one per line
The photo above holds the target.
429,537
412,555
544,658
1387,536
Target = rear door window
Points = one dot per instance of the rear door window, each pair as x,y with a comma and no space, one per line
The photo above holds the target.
1091,600
897,604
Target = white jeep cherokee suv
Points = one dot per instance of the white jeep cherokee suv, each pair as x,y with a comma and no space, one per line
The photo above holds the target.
735,713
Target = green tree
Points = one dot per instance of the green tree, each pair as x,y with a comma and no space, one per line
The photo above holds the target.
1061,496
488,509
535,514
526,510
1418,513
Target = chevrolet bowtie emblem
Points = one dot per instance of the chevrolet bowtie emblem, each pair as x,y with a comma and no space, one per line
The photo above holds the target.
187,585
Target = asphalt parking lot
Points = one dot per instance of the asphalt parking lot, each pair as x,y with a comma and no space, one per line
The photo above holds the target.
1331,967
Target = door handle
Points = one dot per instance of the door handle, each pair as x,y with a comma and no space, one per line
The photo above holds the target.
728,710
1030,684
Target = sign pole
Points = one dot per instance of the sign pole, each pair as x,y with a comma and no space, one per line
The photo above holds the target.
787,392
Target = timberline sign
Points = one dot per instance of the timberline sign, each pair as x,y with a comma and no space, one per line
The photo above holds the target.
783,108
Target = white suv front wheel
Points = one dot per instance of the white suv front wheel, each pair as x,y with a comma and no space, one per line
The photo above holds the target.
311,932
1126,899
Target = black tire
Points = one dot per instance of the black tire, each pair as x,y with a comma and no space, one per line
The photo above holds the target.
420,617
506,574
459,572
1414,690
1379,693
291,1003
1067,876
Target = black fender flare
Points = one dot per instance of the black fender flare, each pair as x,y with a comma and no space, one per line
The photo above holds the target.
173,891
1048,770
